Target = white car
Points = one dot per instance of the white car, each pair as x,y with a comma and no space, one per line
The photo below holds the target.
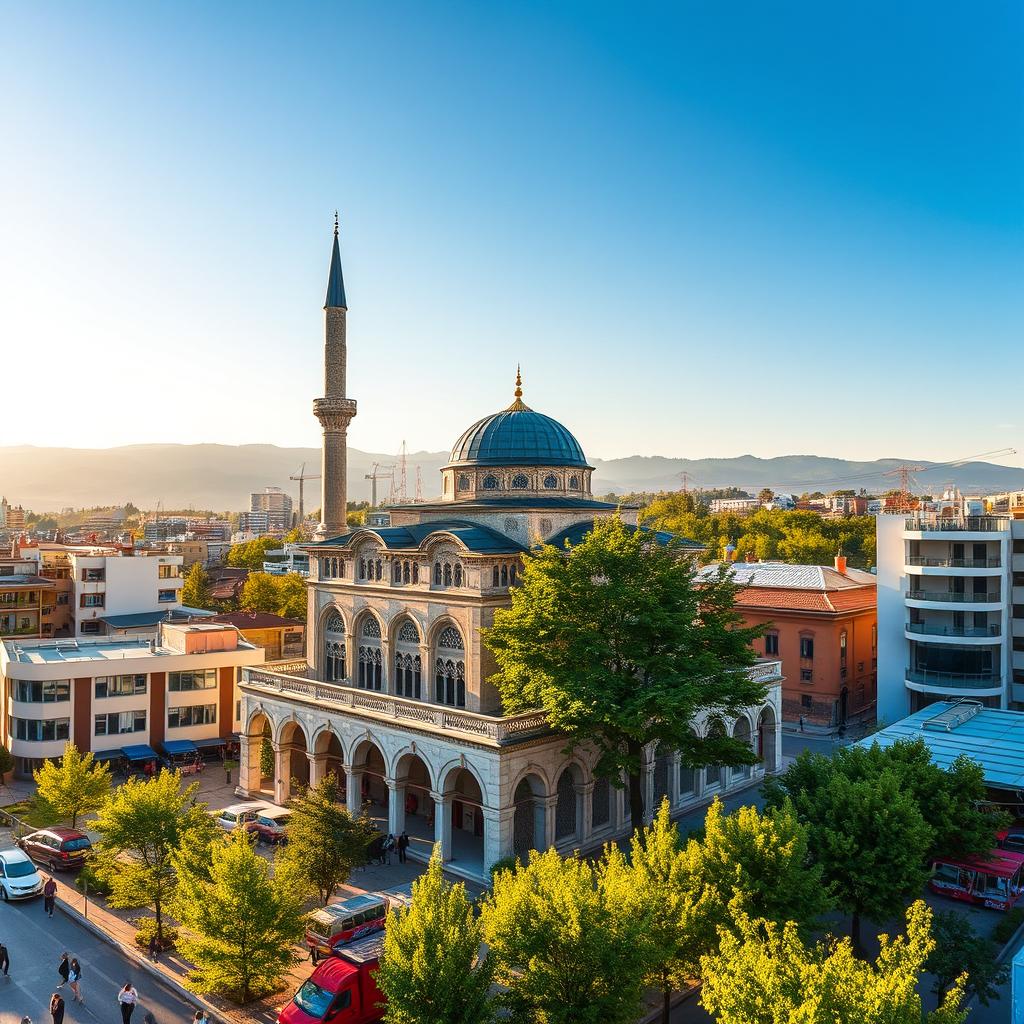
239,814
19,878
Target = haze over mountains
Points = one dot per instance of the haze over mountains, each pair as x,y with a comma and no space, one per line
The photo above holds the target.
220,477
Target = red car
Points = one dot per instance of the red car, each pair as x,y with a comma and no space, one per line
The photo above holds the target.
57,848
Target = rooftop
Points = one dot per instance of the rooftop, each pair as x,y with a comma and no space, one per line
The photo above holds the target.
990,736
255,620
782,575
49,652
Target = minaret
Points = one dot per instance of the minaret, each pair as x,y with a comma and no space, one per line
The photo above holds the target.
334,410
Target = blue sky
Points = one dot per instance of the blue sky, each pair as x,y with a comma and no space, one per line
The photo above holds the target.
704,229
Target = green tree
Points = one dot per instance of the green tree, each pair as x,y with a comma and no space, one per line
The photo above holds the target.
760,863
619,647
143,824
291,596
242,924
662,886
325,842
870,840
73,786
251,554
806,547
6,763
565,947
266,758
431,971
259,593
765,495
195,592
766,975
960,950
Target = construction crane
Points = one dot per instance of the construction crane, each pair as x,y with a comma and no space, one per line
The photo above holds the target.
685,479
302,476
377,475
419,485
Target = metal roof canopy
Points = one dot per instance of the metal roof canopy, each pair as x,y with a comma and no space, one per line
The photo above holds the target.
172,747
992,737
139,752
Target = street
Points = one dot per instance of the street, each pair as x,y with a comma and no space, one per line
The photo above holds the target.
35,944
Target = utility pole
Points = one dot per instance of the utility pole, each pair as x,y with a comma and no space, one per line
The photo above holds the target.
302,476
377,475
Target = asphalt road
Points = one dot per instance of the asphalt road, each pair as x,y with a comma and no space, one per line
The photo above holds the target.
36,942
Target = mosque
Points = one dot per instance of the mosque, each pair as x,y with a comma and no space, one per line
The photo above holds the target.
393,696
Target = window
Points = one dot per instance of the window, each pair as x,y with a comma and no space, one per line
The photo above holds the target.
463,482
574,483
520,482
490,483
62,599
166,595
119,686
91,627
551,481
43,693
41,730
118,723
199,679
1018,579
450,669
409,633
167,572
806,701
238,710
1018,611
371,627
1018,643
334,649
94,575
191,714
807,647
806,675
771,643
92,601
1018,547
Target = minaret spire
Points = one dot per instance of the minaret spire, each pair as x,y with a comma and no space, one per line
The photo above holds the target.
518,405
334,410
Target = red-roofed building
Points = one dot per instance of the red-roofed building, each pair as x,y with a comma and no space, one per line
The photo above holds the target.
823,626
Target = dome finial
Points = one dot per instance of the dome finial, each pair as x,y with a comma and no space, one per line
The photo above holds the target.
518,405
335,223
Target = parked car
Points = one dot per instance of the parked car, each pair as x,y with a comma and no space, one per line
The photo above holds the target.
19,878
1012,838
238,814
342,923
271,825
994,879
342,988
57,848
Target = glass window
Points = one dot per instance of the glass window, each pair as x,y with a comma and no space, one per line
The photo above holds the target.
168,572
41,730
166,595
120,686
806,647
93,600
49,692
119,723
550,481
771,643
94,575
520,482
490,483
191,714
200,679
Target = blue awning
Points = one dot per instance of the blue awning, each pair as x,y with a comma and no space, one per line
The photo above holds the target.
107,755
211,741
173,747
139,752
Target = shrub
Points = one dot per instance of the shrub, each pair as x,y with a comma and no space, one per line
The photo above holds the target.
1007,926
504,864
146,929
97,885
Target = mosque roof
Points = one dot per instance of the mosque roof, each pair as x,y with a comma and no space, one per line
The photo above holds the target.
335,282
574,535
518,436
478,539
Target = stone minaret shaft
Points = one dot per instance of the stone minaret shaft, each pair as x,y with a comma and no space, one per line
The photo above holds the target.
334,410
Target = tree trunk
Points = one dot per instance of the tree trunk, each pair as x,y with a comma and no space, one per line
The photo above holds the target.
855,932
666,999
636,786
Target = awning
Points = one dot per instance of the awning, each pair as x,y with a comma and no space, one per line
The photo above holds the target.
210,741
174,747
139,752
107,755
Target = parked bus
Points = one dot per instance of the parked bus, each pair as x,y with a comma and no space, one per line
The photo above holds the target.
992,879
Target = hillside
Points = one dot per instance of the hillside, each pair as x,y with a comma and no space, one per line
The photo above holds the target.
221,476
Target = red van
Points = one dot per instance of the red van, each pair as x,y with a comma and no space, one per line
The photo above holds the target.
995,879
342,990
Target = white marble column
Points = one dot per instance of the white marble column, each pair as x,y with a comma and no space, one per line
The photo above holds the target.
317,768
548,805
443,824
282,772
585,799
396,806
497,835
353,789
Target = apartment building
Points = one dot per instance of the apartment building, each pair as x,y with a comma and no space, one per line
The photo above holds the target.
950,610
108,693
276,504
280,637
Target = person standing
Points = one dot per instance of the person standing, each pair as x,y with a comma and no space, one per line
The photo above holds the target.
154,948
801,723
127,997
389,845
49,896
56,1008
403,845
75,981
63,969
5,959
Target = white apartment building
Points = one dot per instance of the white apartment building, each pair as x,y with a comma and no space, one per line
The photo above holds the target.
113,692
106,585
950,610
734,504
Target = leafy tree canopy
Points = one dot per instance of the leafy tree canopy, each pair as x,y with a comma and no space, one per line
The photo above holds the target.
619,647
195,592
251,554
960,950
280,595
73,786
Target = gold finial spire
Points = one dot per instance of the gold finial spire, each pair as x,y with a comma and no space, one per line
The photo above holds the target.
335,223
518,405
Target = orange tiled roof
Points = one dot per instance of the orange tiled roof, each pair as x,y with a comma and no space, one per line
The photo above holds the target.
829,601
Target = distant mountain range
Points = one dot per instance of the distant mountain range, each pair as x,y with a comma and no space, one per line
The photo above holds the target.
220,477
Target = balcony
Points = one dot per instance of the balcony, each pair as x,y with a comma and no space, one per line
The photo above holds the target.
954,563
954,596
920,678
930,629
932,522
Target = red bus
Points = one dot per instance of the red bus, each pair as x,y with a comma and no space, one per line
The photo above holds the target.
992,879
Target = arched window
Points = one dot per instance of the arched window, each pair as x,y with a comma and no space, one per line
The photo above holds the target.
380,569
490,483
415,572
362,568
407,661
512,574
437,574
458,575
406,572
574,483
325,568
370,672
397,574
450,669
504,575
520,482
565,805
447,574
713,772
463,482
495,577
551,481
334,649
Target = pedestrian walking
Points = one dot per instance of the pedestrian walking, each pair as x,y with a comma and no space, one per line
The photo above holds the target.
75,981
389,845
56,1008
49,896
63,969
199,1017
154,948
403,845
127,997
5,959
801,723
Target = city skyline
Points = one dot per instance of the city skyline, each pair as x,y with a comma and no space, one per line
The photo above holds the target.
670,223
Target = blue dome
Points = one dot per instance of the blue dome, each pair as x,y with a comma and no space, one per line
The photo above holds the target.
518,437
